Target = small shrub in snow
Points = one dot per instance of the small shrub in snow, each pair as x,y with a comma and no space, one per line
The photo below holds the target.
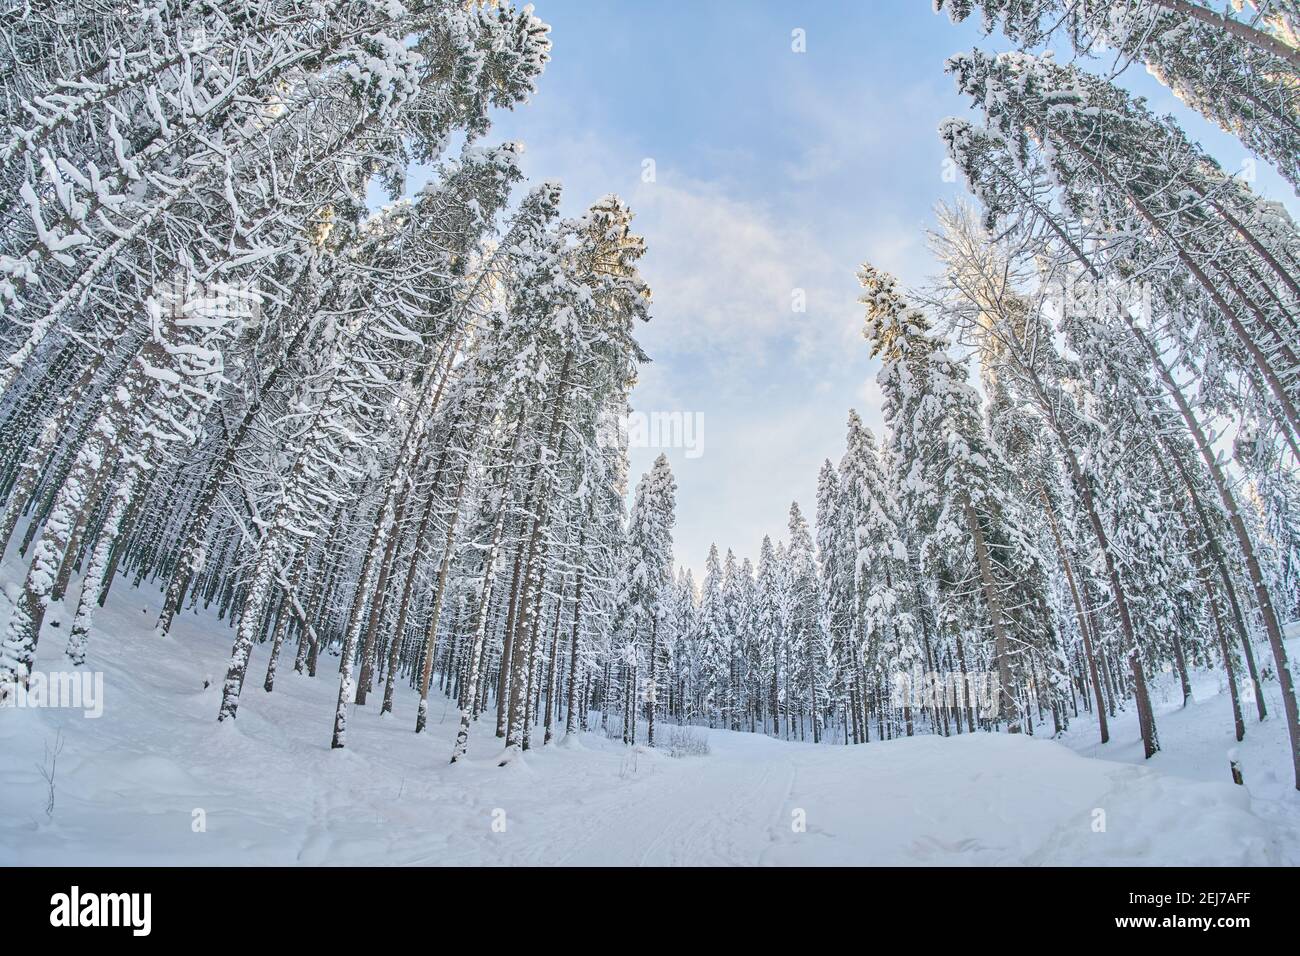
685,741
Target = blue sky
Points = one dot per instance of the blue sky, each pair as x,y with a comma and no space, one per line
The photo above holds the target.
774,170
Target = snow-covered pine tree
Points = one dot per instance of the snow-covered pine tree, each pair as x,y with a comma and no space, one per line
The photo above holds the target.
951,491
767,623
1237,73
584,299
713,631
1019,357
802,631
886,597
1158,197
682,646
1018,191
836,559
110,216
733,623
650,565
744,616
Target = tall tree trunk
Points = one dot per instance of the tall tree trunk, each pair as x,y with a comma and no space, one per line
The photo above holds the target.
1084,631
508,644
1254,572
549,720
1007,698
379,603
533,572
652,678
1146,718
569,715
120,503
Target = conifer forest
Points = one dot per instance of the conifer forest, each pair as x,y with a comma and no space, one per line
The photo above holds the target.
348,513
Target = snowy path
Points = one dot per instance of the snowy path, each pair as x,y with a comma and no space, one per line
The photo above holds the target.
271,791
712,811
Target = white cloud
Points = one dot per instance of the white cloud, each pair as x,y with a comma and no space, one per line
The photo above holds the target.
774,386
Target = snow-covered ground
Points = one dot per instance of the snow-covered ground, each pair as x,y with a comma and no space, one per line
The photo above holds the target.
131,784
1196,741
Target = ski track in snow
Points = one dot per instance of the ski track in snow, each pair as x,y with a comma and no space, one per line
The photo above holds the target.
128,783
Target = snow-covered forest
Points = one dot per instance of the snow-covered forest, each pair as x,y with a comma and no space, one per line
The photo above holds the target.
377,448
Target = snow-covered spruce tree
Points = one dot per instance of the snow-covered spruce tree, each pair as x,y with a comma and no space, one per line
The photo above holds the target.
713,637
951,488
886,597
767,624
786,688
803,638
1018,194
248,118
649,552
682,646
1017,351
605,645
372,331
744,616
584,300
1238,74
836,557
1118,374
231,120
1157,197
734,616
